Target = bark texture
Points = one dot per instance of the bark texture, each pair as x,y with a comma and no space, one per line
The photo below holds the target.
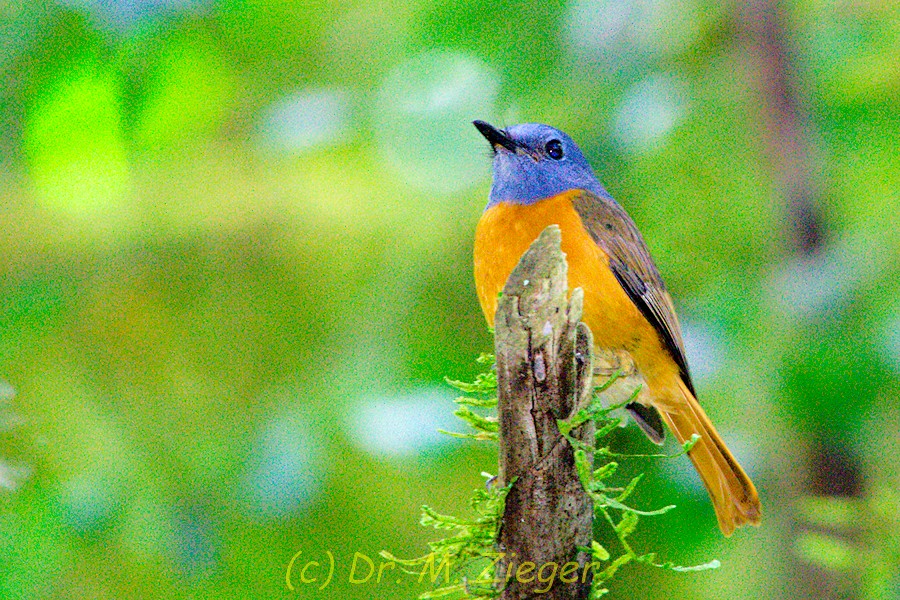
544,373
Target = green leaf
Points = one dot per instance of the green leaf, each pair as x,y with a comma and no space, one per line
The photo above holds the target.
486,358
481,436
485,383
650,559
607,470
476,421
606,384
629,489
688,445
583,467
598,551
713,564
614,503
627,525
479,402
607,429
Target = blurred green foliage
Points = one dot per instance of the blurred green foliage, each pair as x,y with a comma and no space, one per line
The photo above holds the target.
854,538
235,264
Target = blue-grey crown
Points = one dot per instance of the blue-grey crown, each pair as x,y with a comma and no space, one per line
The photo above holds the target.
530,174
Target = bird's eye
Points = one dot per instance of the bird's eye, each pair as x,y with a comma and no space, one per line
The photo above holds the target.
554,149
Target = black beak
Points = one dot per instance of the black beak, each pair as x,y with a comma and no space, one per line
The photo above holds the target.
495,136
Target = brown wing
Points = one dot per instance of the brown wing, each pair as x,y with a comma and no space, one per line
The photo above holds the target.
614,231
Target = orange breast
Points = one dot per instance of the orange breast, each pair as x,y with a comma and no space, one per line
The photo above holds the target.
504,233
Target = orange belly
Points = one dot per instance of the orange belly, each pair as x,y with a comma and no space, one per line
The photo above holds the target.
504,233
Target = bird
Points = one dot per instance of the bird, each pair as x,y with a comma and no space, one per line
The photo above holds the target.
541,178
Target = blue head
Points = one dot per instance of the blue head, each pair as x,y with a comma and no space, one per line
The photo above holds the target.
534,161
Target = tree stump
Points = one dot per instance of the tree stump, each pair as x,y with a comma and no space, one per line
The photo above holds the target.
543,354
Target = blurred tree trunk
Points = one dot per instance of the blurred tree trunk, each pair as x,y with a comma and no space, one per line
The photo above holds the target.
786,127
834,471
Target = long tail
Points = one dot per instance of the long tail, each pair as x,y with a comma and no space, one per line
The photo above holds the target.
732,493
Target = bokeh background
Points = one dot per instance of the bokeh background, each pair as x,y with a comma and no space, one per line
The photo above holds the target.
235,266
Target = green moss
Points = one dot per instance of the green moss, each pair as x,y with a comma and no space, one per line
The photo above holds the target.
462,564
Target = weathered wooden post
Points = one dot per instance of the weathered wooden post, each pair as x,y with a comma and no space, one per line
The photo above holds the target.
543,356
